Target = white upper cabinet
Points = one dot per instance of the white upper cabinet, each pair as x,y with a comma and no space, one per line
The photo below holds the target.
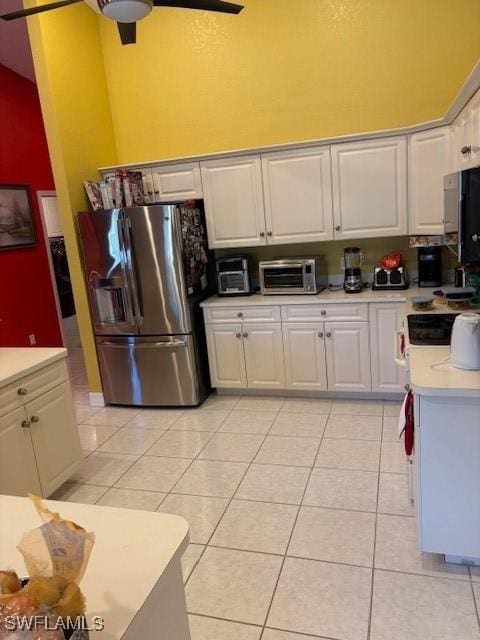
177,182
429,162
233,194
370,188
298,195
465,132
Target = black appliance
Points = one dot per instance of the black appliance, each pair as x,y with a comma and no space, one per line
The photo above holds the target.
430,266
430,329
233,276
385,279
62,276
462,203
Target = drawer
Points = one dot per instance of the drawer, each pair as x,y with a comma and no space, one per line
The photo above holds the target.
314,312
35,384
247,313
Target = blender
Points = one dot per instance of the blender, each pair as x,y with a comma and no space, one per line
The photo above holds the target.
352,260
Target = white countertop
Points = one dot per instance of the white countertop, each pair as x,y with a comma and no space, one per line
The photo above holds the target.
325,297
15,363
432,374
132,550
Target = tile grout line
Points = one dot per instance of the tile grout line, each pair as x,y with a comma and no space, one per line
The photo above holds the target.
230,500
475,603
370,612
293,529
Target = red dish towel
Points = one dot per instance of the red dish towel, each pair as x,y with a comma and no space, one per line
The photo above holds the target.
409,428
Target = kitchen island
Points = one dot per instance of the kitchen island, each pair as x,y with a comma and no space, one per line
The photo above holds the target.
39,441
447,455
133,580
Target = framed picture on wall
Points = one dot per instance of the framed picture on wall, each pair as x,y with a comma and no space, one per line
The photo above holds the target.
17,226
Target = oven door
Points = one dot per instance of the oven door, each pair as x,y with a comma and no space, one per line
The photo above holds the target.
288,278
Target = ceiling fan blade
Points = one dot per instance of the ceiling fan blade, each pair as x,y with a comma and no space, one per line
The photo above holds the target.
204,5
128,32
44,7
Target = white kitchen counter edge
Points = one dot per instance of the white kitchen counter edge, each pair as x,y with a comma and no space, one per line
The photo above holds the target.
325,297
16,363
432,375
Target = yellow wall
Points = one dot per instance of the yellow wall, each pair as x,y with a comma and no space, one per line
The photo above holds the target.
76,110
285,70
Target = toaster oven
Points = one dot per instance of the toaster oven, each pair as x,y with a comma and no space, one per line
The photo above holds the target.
233,276
293,275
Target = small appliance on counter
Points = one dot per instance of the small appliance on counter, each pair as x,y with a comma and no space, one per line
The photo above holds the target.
390,274
293,275
352,260
429,266
233,276
465,345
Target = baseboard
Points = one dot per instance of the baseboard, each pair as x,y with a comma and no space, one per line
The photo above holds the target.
290,393
96,399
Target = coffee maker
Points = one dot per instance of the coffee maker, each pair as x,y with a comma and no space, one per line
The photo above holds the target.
352,260
429,266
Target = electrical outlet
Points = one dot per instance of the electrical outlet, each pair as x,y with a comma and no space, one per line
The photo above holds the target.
32,339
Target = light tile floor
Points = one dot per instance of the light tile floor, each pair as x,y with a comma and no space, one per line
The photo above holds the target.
300,522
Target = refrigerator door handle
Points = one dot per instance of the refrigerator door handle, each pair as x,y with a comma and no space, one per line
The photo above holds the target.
176,344
132,278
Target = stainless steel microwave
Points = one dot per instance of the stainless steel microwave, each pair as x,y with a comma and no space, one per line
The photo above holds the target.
293,275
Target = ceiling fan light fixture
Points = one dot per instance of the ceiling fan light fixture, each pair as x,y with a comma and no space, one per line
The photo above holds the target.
126,10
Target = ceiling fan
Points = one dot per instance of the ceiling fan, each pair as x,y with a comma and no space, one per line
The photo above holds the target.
127,12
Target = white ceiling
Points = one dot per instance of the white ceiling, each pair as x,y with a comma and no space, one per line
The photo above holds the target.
14,44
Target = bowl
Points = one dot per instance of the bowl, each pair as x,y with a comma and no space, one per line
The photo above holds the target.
422,303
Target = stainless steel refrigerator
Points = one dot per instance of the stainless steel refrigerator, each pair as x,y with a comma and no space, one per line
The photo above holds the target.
147,269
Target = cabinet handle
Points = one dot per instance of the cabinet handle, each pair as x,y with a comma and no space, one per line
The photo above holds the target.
269,234
329,335
320,334
25,424
245,335
35,419
323,312
240,314
238,335
466,150
262,234
150,192
338,227
22,391
156,191
475,237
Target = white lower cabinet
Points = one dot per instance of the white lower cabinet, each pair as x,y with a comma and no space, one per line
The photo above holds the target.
305,364
344,347
225,355
348,356
385,320
54,436
18,469
264,360
39,440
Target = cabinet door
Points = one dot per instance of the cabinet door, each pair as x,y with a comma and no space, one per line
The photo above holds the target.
233,194
370,188
475,129
18,470
461,131
148,190
263,344
304,347
348,356
385,321
298,196
429,162
225,356
55,438
177,182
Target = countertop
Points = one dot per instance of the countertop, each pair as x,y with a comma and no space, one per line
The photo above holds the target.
325,297
132,551
15,363
432,374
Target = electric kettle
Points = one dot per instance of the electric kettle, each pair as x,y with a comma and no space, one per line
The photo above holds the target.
465,344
